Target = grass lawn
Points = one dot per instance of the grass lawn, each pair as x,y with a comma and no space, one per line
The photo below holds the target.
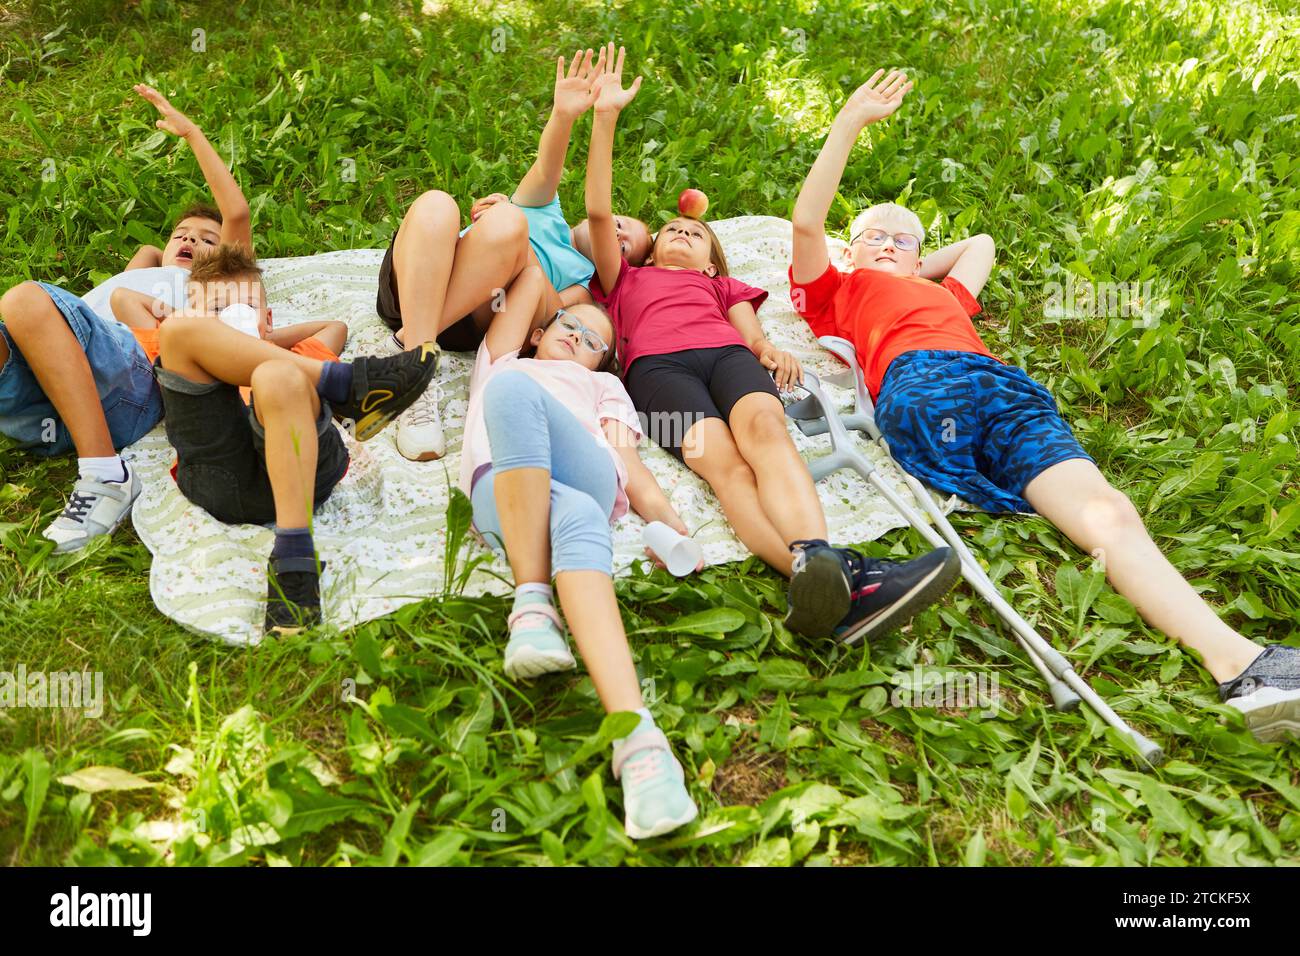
1149,144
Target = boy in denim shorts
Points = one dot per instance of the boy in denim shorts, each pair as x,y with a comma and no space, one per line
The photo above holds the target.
250,415
73,376
966,423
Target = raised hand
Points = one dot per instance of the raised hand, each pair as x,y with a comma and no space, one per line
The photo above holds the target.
876,98
610,95
173,120
575,90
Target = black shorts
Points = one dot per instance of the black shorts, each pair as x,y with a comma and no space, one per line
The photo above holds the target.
221,449
463,335
673,392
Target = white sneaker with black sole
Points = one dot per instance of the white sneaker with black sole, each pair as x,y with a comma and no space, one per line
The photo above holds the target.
94,508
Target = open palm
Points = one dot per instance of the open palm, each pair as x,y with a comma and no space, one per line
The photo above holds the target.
610,95
575,90
878,97
173,120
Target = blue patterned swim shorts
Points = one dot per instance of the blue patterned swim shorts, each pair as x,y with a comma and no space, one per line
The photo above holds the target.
969,425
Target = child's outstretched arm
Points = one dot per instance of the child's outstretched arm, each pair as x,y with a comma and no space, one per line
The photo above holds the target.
237,221
574,94
610,100
969,261
872,101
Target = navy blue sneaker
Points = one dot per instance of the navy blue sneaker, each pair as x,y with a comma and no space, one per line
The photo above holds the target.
838,592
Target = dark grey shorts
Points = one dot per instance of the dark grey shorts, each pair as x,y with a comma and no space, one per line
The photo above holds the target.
221,449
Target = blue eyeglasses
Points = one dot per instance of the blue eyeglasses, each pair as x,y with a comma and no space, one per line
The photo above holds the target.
590,340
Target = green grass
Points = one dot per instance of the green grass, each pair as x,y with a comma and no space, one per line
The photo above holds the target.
1142,142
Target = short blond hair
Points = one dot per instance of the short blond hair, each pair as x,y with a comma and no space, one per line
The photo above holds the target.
891,215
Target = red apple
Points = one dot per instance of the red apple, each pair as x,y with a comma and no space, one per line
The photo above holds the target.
692,203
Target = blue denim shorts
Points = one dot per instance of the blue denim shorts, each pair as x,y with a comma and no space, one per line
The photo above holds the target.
123,378
969,425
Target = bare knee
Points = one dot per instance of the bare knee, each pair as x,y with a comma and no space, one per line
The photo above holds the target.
766,428
505,226
177,334
1108,514
431,207
279,384
25,308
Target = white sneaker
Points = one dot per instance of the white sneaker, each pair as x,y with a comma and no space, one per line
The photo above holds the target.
94,508
419,429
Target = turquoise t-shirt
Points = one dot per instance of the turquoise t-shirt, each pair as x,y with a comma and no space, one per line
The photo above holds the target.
548,233
551,241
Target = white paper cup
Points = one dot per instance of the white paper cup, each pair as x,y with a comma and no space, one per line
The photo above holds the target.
240,317
681,554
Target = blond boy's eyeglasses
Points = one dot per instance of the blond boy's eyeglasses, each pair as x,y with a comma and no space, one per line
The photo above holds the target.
903,241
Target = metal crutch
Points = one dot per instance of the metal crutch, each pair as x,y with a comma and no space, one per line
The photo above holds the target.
845,455
862,418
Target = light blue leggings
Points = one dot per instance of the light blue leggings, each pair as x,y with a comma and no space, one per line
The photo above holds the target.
529,428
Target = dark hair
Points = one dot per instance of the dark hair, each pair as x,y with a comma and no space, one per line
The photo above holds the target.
230,260
716,255
608,362
199,210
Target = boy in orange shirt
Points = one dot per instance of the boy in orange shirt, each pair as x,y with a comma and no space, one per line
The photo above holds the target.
250,414
966,423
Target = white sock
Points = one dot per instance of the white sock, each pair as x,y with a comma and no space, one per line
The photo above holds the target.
397,343
646,721
534,587
112,468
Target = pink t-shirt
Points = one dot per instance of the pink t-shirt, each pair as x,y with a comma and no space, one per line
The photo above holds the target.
657,311
592,397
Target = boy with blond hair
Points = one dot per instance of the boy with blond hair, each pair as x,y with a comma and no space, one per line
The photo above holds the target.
966,423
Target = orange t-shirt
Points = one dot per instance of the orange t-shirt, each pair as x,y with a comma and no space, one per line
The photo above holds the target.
885,315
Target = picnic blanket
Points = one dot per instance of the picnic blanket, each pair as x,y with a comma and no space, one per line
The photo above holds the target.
383,532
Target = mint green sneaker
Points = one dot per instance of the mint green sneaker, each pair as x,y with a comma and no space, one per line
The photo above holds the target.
655,798
537,645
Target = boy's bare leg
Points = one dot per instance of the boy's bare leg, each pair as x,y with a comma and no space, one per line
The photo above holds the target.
710,451
785,486
591,609
442,277
1077,498
204,349
59,363
286,403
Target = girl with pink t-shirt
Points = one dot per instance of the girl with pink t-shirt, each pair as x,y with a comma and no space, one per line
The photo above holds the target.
700,371
549,460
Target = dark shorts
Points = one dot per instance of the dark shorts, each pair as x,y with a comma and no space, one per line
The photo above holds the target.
673,392
968,425
461,336
221,450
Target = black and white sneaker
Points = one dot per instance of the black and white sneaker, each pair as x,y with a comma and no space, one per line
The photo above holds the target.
293,595
839,592
1268,693
385,386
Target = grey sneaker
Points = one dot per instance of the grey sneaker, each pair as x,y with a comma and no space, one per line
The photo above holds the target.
93,509
1268,693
